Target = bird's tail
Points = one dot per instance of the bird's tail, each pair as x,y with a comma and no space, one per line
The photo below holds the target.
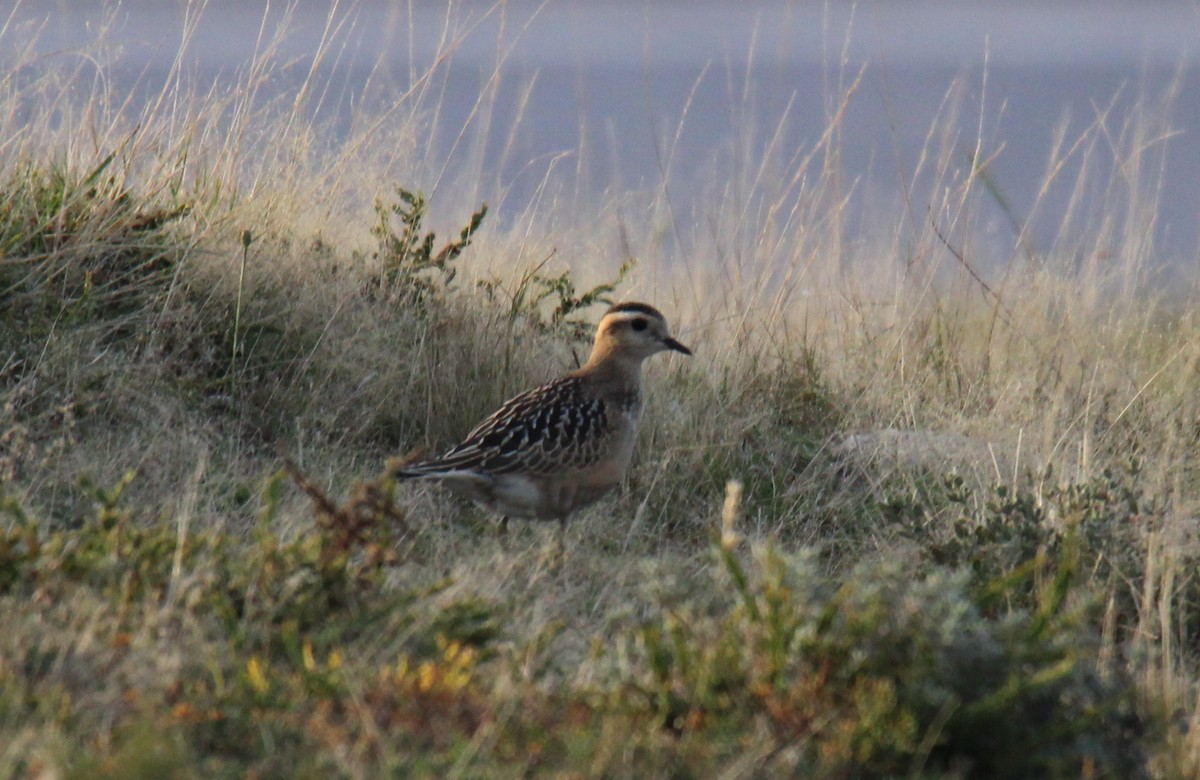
409,465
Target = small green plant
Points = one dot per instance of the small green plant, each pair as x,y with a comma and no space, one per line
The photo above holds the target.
410,266
535,289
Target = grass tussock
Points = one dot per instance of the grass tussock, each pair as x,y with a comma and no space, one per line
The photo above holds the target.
185,297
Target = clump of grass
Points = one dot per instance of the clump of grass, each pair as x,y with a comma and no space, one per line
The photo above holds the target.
888,675
1102,530
80,250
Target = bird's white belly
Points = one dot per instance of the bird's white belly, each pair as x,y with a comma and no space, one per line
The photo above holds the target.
515,495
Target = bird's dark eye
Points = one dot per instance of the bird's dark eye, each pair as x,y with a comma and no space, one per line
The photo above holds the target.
639,324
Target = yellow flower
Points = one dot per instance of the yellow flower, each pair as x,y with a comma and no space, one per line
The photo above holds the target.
254,674
426,676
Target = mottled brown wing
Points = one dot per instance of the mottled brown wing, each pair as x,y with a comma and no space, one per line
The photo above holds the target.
538,431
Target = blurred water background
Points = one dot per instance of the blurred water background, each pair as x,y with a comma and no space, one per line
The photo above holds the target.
596,97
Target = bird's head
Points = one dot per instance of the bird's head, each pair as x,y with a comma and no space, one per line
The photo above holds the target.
634,331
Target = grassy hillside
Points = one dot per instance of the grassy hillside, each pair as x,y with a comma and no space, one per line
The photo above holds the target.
908,512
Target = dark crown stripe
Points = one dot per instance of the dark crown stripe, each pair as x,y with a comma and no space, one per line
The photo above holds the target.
639,308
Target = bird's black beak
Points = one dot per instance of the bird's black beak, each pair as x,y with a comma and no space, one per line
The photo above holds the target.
675,345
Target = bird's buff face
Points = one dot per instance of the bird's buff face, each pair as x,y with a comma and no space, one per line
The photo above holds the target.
636,330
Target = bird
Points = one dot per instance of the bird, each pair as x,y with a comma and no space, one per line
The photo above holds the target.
559,447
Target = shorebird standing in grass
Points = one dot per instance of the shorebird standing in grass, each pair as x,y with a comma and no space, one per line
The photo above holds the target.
559,447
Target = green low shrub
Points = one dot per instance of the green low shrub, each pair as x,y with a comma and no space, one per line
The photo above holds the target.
883,674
